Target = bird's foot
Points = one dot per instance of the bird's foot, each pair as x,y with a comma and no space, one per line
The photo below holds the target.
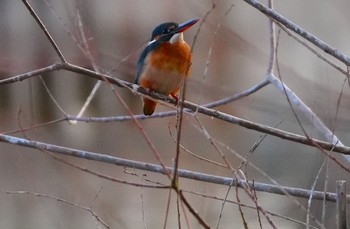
176,98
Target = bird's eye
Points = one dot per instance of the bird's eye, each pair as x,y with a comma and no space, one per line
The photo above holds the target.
168,30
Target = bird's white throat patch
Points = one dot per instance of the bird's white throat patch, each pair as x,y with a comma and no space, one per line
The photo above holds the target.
151,42
177,37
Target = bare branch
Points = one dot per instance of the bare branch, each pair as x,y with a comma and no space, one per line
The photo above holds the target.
43,27
282,190
341,205
312,49
308,113
250,207
28,75
88,209
272,28
302,32
194,107
191,209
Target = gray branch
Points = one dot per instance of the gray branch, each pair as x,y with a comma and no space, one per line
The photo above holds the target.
191,106
297,192
300,31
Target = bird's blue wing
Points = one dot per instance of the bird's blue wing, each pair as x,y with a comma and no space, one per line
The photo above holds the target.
141,62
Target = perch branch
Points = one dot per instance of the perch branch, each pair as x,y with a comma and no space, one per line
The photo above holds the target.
191,106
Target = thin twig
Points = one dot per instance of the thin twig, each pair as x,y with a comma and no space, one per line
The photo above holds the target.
196,155
106,177
206,68
43,27
326,181
167,209
51,96
24,129
143,208
250,207
191,209
248,190
236,176
86,50
88,209
257,211
187,220
313,186
223,205
178,200
254,147
213,143
245,224
273,181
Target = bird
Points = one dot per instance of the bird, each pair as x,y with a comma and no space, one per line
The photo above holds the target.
165,62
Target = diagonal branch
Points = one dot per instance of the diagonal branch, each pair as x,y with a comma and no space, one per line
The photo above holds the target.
310,115
302,32
42,26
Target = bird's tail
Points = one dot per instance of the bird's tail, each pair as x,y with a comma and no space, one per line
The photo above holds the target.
148,106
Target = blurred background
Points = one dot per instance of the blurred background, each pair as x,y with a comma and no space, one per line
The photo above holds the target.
117,29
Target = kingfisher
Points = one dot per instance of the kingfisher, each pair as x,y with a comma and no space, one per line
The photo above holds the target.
165,62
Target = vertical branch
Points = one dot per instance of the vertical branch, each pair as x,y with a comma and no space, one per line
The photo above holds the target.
224,202
341,204
309,202
326,180
87,53
244,221
272,27
208,59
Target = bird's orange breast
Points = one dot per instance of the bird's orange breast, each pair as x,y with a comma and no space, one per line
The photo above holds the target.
172,57
166,67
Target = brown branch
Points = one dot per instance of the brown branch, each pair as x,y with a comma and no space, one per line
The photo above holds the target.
191,209
249,207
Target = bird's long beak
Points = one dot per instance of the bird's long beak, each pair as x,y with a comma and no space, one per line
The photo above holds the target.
184,26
